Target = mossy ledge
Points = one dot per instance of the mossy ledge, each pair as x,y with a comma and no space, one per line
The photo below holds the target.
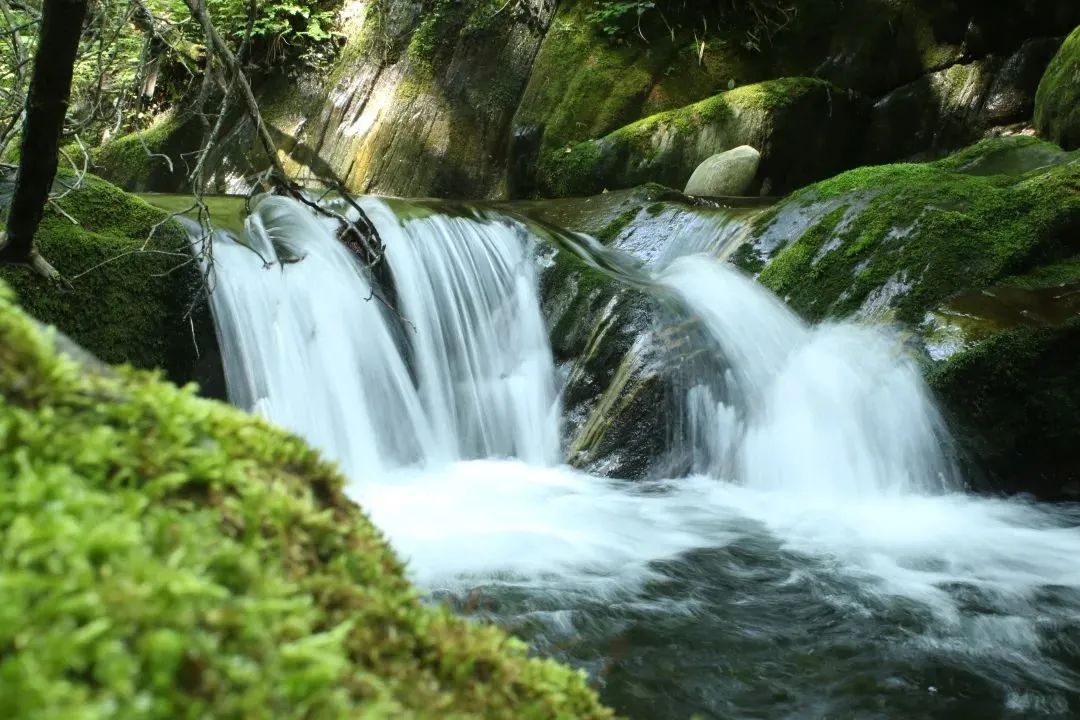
129,282
904,238
166,556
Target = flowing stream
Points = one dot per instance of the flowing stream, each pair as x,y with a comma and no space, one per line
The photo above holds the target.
822,560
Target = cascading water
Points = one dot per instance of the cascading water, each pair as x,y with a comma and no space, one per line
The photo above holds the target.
819,564
307,343
833,410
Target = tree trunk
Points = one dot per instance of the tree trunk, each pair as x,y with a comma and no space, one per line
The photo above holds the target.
46,107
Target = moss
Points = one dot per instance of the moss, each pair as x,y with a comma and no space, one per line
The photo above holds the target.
166,556
128,286
1048,276
583,86
127,161
1057,102
570,172
924,228
1013,402
617,225
1010,155
667,146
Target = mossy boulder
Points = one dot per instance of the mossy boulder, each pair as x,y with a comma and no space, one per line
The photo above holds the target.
132,291
1014,401
150,160
898,240
1057,105
166,556
805,128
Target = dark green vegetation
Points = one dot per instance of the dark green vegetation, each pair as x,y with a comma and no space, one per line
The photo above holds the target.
132,291
168,557
1013,401
1057,105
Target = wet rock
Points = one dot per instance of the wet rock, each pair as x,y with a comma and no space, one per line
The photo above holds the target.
1011,97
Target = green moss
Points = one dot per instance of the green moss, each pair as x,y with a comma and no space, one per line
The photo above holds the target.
1048,276
425,39
127,162
583,86
128,287
169,557
570,172
1013,402
1010,155
921,226
617,225
1057,103
663,147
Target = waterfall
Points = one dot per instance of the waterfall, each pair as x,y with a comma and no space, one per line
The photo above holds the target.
819,545
837,409
464,372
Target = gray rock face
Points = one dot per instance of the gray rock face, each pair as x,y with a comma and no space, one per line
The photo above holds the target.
726,173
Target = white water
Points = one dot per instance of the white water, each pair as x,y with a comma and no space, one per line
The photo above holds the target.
821,440
308,345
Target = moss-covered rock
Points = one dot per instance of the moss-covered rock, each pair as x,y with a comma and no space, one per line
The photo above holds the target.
1057,105
805,128
132,291
166,556
150,159
1014,401
904,238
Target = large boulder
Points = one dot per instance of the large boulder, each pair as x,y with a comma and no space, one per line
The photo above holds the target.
132,291
806,129
727,173
173,557
953,107
1057,105
898,240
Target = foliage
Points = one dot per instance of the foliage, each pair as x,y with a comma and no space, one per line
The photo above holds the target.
169,557
284,31
758,20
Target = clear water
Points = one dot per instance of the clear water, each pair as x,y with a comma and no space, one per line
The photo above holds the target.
822,562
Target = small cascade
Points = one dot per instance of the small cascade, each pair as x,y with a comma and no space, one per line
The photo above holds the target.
305,344
478,342
833,409
463,372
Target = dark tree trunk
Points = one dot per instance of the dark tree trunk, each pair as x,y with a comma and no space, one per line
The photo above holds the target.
46,107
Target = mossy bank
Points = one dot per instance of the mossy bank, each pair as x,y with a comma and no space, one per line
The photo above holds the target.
166,556
131,291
